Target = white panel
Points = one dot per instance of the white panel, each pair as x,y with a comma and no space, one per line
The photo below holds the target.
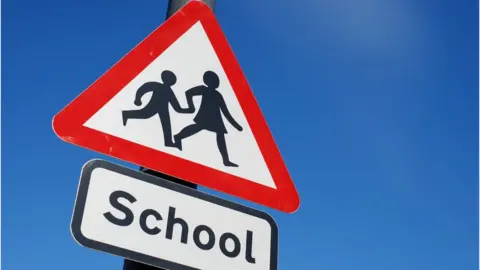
189,57
194,211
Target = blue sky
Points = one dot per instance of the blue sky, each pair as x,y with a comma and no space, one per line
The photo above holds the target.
373,105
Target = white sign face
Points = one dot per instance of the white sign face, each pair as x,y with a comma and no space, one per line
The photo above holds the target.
156,222
159,119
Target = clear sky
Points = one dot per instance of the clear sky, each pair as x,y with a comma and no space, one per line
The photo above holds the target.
373,105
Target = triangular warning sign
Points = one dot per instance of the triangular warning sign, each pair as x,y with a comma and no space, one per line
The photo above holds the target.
179,103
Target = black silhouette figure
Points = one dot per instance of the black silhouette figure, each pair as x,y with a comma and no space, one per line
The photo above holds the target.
209,116
162,96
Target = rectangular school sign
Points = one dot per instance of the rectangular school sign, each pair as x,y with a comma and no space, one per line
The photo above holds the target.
153,221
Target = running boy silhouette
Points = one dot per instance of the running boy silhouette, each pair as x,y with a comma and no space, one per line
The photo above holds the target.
162,96
209,116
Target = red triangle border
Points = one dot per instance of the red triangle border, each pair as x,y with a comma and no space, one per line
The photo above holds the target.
68,123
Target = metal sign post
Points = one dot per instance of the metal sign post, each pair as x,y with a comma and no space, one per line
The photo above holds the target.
173,6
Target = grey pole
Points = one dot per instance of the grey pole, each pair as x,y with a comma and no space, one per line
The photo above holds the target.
173,6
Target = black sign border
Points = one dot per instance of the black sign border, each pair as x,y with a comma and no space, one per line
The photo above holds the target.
80,201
